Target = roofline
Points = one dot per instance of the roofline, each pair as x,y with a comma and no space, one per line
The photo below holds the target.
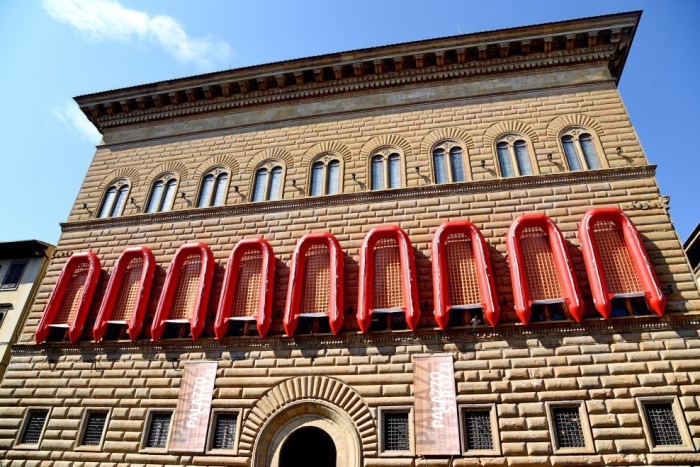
550,28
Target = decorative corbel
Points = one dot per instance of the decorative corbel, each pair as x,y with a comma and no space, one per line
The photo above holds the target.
299,77
262,83
358,68
419,60
440,57
461,55
504,49
225,89
318,75
378,66
338,72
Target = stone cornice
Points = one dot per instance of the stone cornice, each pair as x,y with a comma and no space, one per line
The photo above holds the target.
549,334
604,39
368,197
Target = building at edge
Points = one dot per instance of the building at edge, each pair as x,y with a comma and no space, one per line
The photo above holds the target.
447,252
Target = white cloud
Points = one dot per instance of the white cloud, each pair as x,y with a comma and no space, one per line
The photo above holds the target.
76,121
108,20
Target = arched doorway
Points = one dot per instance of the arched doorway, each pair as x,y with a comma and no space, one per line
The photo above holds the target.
309,447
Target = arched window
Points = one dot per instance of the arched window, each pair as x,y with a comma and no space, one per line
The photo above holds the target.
448,163
325,177
268,183
386,170
162,194
513,156
580,150
213,189
114,200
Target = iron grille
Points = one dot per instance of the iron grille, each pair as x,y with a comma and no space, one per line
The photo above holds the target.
567,427
225,431
34,426
94,427
477,429
158,430
396,431
662,423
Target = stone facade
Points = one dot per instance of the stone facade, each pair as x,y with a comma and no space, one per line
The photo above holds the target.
610,370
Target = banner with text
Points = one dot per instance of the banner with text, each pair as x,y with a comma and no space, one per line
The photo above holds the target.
191,420
435,403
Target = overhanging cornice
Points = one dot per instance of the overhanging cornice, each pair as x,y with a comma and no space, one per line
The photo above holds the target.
603,39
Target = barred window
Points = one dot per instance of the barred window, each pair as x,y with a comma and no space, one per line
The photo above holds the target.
94,428
34,426
567,427
395,431
477,429
158,430
224,431
662,424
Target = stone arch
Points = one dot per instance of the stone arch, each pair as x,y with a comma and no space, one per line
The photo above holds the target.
385,140
221,160
129,173
270,153
172,166
325,147
443,134
510,126
565,121
328,396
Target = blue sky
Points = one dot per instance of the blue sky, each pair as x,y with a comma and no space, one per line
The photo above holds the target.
53,50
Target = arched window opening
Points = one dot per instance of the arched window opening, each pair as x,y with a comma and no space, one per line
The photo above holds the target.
70,301
213,189
513,156
580,150
308,446
246,296
386,170
182,306
268,183
114,200
544,286
162,194
325,177
463,286
621,276
126,298
315,293
388,297
448,163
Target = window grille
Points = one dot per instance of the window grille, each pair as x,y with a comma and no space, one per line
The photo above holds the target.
73,295
94,427
158,430
34,426
387,276
567,427
395,431
662,424
13,276
247,297
224,431
477,429
188,283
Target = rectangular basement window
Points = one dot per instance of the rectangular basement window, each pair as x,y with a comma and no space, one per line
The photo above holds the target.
395,433
158,428
223,428
664,424
480,434
569,428
34,426
94,428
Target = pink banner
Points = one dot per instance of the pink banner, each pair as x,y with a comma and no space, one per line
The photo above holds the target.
191,420
435,403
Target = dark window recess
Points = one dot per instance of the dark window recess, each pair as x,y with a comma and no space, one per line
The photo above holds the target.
34,426
396,431
662,423
158,430
567,427
477,429
94,427
4,310
13,276
224,431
